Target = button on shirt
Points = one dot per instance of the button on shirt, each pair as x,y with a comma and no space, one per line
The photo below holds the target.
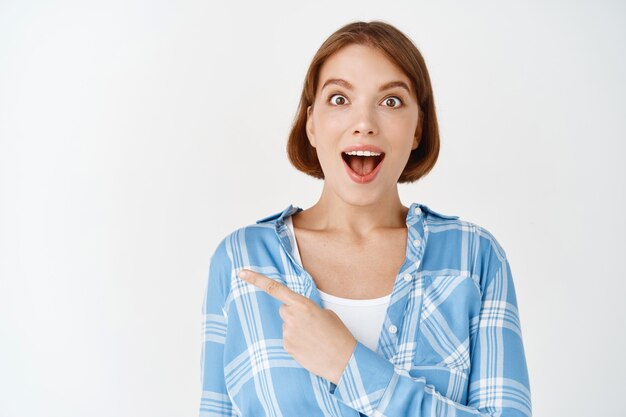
450,344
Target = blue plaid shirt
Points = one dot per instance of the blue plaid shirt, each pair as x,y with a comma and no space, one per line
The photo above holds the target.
451,342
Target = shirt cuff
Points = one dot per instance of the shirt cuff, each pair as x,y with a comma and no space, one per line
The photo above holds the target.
364,380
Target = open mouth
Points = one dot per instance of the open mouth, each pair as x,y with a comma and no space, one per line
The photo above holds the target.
363,163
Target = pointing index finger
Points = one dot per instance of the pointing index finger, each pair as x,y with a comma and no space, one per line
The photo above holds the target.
270,286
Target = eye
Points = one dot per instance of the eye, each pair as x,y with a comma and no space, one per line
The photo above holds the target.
339,101
390,100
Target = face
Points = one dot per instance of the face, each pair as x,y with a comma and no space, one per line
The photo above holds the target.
363,101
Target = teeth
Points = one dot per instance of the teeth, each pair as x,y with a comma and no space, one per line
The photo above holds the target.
363,153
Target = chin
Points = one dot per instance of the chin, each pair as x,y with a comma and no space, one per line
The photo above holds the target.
361,197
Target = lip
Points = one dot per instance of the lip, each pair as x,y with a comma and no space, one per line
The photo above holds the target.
363,147
362,179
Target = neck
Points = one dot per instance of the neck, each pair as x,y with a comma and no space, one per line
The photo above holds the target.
331,213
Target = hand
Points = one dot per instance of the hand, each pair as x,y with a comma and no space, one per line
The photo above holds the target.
315,337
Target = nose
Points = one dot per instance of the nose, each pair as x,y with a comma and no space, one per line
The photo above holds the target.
365,123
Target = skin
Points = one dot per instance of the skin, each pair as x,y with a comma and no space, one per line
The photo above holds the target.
347,211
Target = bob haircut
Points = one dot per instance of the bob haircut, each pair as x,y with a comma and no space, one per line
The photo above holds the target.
401,51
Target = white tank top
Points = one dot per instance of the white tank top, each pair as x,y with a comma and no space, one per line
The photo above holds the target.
364,318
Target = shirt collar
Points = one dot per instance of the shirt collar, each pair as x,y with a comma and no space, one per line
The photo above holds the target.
280,216
415,213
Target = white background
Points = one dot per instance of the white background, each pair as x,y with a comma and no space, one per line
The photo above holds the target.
134,135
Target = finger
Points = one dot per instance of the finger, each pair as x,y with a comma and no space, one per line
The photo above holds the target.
282,311
270,286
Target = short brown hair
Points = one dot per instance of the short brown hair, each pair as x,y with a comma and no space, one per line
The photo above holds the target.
401,51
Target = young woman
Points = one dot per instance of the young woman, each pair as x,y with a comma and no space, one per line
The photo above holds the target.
360,305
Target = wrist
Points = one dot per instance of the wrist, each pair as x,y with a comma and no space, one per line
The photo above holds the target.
342,361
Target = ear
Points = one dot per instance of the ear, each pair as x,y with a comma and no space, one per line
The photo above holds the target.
418,133
309,126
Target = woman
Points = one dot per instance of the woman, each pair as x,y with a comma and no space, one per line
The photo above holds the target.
360,305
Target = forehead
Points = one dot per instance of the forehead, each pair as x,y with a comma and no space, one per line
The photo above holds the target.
361,65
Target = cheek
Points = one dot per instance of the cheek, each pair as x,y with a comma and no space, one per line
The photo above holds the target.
331,119
328,133
401,149
401,126
326,154
403,129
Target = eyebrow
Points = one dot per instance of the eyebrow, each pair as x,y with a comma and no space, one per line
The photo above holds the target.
386,86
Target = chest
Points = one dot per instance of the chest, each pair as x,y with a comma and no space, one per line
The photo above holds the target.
348,268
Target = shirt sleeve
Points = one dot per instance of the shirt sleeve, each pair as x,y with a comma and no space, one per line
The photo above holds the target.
214,400
498,380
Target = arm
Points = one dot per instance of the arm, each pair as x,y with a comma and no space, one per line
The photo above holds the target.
498,382
215,400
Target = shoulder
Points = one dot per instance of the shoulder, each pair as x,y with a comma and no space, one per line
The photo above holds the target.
437,222
262,234
242,240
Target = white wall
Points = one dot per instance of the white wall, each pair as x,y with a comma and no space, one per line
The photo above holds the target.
135,134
